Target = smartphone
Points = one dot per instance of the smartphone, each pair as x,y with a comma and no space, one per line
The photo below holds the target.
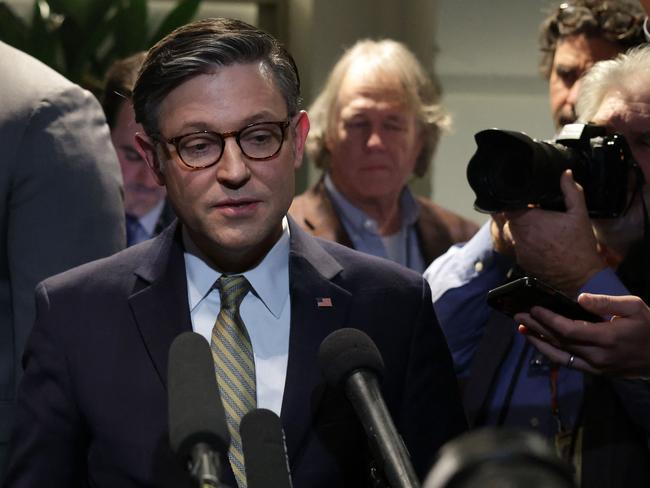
521,295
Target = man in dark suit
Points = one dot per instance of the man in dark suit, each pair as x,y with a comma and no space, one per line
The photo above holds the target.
147,210
60,188
218,100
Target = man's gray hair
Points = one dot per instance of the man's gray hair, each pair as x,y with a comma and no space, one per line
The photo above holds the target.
383,60
625,73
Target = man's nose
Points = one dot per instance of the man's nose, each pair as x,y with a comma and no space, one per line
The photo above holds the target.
232,170
375,139
573,93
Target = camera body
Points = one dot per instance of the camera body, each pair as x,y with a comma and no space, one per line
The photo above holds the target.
511,171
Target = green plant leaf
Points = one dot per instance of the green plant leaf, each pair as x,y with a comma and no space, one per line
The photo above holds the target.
83,49
131,28
184,12
13,30
85,13
42,36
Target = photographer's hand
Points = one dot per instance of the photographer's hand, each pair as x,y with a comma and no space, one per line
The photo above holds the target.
559,248
618,347
501,238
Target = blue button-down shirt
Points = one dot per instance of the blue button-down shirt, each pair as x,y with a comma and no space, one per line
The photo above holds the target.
402,247
460,280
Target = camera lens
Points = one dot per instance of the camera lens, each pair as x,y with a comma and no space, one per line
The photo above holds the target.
511,171
510,177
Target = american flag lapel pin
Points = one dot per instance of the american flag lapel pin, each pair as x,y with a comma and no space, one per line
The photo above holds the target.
324,302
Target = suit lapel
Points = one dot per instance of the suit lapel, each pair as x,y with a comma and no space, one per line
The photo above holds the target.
310,270
159,303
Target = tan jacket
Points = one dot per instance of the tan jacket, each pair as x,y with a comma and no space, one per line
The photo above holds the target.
437,227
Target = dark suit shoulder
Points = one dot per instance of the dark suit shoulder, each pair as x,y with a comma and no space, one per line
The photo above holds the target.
26,81
115,271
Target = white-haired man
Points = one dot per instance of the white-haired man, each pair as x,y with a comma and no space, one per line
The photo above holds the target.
374,126
615,94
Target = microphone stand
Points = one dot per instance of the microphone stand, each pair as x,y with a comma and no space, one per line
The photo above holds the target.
205,467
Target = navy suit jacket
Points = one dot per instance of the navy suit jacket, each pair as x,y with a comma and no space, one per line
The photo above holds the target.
93,401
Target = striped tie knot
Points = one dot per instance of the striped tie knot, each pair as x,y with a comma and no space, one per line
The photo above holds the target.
232,290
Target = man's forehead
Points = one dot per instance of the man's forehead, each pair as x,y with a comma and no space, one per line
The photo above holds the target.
244,93
582,51
625,110
365,96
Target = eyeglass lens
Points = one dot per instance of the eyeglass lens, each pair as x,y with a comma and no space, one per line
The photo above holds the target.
259,141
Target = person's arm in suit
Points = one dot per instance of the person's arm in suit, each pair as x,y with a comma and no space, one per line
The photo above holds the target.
431,412
49,443
62,189
66,202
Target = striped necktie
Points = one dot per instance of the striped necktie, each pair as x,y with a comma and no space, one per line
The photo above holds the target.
234,365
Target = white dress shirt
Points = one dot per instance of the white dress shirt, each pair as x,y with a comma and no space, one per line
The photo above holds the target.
265,311
149,220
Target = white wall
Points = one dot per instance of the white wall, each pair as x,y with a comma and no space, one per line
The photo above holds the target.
487,64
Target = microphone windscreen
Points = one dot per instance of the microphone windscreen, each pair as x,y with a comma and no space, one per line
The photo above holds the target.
265,453
345,351
196,414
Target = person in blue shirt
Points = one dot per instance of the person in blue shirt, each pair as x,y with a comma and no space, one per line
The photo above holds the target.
505,380
147,211
616,351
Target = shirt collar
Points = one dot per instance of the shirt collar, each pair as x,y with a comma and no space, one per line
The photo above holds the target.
409,209
269,279
150,219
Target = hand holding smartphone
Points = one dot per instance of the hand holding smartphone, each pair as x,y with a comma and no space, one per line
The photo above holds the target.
521,295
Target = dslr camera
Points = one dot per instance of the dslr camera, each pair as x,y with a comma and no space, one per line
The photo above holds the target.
511,171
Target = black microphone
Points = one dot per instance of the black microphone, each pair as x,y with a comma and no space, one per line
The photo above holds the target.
265,452
349,358
198,433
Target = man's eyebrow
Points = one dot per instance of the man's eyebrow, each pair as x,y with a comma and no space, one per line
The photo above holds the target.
397,117
565,68
263,116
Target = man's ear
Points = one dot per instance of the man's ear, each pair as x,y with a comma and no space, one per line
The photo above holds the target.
147,150
300,136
